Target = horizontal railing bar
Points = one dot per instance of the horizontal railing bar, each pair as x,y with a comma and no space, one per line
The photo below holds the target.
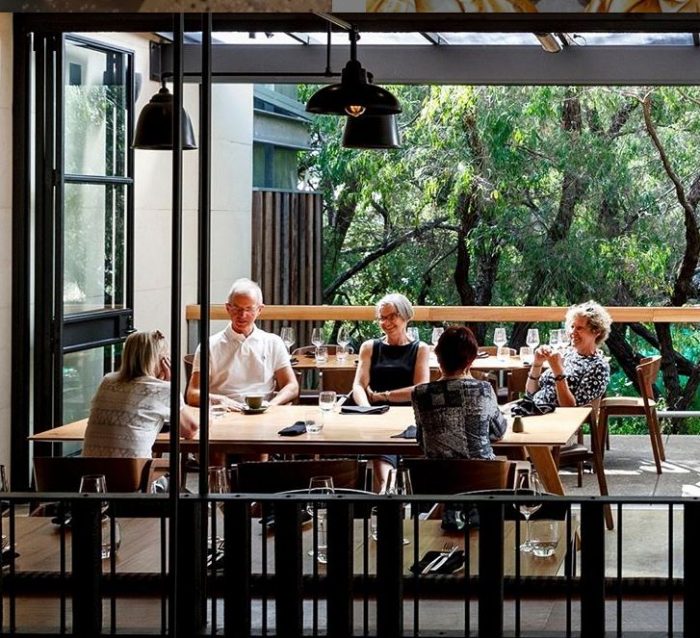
624,314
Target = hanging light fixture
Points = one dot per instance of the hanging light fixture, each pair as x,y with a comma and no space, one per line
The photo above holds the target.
154,130
371,131
355,95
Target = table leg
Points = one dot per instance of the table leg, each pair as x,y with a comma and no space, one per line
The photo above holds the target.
543,462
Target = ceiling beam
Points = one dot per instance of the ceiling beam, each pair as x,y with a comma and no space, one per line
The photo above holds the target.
454,64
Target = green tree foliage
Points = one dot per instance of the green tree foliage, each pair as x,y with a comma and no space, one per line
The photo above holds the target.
524,195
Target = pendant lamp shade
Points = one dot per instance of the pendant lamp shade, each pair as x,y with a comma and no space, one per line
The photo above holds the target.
371,131
355,94
154,129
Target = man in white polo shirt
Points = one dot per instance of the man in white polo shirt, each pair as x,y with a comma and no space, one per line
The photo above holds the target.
244,359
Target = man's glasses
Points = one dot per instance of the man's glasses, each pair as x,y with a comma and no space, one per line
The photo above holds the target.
236,310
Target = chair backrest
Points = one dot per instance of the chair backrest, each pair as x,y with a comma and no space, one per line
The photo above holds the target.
63,473
280,476
338,380
516,382
454,476
493,350
647,371
187,361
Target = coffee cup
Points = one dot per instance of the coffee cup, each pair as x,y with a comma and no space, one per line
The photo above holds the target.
254,401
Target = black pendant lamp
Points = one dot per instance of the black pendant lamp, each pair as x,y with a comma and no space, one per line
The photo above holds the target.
154,130
371,131
355,95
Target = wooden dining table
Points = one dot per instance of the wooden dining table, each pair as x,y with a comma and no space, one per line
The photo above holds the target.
240,433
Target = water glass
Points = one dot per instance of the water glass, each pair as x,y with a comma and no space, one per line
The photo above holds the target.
97,484
313,424
320,485
502,354
544,537
321,354
413,333
435,336
399,483
526,355
218,479
341,353
326,400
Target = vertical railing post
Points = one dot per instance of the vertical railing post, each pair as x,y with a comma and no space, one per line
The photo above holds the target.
288,568
237,566
340,569
86,563
691,568
191,592
389,569
491,569
592,569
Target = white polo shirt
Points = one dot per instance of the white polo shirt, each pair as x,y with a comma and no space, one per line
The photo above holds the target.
242,365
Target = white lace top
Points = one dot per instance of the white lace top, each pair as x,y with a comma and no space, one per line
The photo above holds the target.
126,416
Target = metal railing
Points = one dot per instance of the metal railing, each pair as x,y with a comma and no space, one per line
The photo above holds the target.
238,576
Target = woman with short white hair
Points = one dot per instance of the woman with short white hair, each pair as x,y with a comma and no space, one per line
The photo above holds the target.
580,374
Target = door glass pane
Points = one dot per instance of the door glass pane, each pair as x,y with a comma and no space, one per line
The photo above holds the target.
94,245
82,373
94,112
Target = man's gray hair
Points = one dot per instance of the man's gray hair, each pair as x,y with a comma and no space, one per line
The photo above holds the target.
598,318
403,306
247,287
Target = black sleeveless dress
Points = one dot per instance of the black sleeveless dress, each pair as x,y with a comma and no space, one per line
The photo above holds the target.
392,367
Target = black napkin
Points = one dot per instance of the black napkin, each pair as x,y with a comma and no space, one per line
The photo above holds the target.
364,409
527,407
452,564
7,557
269,520
293,361
408,433
293,430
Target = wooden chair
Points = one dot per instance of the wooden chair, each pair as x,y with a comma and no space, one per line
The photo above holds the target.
645,405
496,380
338,380
516,380
63,473
454,476
282,476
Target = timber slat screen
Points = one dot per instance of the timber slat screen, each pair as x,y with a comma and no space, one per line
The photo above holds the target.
262,579
287,253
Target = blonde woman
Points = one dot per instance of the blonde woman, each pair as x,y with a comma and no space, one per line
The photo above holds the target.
131,405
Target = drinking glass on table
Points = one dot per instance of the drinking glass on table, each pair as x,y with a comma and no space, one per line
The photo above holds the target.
326,401
289,337
97,484
499,340
527,484
554,339
526,355
413,333
341,352
533,338
435,336
563,339
399,483
317,509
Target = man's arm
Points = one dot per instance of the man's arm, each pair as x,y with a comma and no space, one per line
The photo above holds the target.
193,393
287,384
189,422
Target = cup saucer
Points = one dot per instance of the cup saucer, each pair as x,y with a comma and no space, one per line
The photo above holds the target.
259,410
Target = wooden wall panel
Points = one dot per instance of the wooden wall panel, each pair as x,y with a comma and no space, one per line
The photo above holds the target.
287,253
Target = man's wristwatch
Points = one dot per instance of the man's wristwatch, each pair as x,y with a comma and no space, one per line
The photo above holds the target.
560,377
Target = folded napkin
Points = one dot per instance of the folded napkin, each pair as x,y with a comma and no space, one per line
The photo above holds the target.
293,430
269,520
7,557
451,565
482,355
293,361
364,409
408,433
527,407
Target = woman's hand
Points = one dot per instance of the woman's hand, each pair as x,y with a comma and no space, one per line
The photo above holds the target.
541,355
556,363
164,371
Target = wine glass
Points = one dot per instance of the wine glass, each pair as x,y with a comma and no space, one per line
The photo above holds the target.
554,339
533,338
499,337
435,336
97,484
326,401
320,485
289,337
399,483
317,337
413,333
343,336
563,339
528,483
